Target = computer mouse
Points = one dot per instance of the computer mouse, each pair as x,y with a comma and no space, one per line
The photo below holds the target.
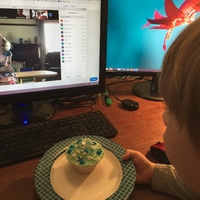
158,152
130,104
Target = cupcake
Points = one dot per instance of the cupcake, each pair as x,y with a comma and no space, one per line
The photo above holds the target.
84,154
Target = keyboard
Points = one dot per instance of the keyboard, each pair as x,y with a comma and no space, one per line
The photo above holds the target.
29,141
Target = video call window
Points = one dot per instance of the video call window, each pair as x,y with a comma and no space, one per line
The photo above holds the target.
28,14
23,13
39,14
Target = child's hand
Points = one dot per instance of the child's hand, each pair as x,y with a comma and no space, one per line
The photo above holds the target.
144,168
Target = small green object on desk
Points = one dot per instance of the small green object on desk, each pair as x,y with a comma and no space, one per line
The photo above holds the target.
107,98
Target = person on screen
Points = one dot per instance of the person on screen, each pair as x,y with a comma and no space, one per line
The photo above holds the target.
7,75
180,88
42,15
20,14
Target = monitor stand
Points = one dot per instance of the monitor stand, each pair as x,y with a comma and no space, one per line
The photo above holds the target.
19,114
148,89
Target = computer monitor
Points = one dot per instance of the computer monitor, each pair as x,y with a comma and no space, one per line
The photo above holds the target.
58,49
140,33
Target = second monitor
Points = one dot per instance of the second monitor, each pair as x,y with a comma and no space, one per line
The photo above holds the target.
139,34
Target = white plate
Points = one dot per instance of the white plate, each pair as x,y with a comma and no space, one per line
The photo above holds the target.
102,182
117,177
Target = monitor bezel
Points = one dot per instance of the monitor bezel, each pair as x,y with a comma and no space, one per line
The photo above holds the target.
130,73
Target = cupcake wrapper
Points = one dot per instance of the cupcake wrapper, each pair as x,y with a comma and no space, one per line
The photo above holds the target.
83,169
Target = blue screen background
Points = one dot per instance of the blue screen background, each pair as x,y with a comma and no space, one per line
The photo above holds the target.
128,44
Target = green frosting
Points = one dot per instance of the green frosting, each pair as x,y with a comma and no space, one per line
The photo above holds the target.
84,152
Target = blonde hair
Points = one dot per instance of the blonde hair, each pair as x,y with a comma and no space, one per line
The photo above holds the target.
7,45
180,80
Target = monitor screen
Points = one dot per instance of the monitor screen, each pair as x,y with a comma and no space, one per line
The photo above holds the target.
51,49
140,32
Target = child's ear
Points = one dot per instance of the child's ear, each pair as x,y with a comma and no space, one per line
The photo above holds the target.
165,117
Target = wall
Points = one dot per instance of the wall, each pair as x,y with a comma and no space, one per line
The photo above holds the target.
19,28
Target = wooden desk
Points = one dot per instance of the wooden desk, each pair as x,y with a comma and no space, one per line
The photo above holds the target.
37,74
137,130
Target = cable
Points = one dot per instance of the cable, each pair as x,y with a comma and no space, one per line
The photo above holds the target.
120,81
112,93
127,104
125,81
88,101
3,109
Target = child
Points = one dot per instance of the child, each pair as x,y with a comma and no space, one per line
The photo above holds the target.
7,74
180,88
